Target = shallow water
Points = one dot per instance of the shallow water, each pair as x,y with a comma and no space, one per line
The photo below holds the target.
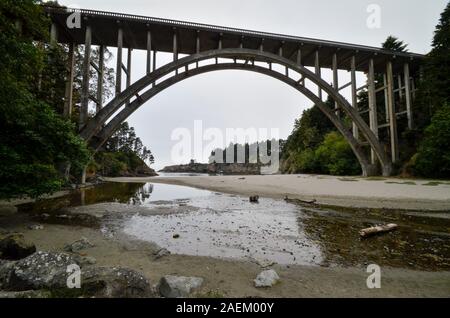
212,224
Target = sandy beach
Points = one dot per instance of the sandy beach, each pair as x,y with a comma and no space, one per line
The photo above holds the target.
385,193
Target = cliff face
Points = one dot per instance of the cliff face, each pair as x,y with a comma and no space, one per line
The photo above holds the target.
218,168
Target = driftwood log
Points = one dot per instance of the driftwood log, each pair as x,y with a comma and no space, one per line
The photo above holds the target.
377,230
299,201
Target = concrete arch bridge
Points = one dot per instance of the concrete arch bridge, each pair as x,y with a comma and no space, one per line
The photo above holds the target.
211,48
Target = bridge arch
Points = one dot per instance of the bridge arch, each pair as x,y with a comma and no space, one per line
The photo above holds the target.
98,129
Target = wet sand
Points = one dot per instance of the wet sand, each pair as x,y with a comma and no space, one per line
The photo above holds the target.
231,278
234,277
385,193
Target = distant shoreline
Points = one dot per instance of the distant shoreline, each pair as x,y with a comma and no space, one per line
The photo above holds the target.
351,192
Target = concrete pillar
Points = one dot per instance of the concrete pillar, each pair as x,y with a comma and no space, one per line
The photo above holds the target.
220,41
154,63
299,56
149,52
85,83
241,44
392,112
53,34
408,96
400,87
68,96
175,45
335,81
373,118
354,94
119,61
318,72
101,67
386,105
261,46
130,51
197,46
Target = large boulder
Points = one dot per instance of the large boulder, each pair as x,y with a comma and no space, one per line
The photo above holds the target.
26,294
15,247
48,271
266,279
79,245
41,270
178,286
107,282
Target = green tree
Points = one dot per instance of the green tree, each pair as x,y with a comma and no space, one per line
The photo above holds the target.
35,141
336,157
434,88
433,158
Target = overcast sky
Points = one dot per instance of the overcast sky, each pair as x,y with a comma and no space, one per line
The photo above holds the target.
233,99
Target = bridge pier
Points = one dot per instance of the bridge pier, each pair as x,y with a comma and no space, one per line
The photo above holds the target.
119,61
354,93
68,99
85,83
373,119
392,112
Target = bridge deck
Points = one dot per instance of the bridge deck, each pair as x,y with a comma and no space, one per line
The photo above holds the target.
105,24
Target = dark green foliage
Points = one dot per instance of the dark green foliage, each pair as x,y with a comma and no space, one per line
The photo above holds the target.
434,89
394,44
336,157
316,147
124,154
433,158
35,142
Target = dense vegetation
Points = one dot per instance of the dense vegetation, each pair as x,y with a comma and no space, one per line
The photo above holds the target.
35,143
40,151
124,154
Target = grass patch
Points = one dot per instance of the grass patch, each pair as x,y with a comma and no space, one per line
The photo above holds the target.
433,184
406,182
211,294
375,179
348,179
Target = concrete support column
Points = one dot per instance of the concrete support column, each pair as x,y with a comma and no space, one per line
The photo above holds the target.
53,34
241,44
386,104
373,118
261,46
392,112
149,52
101,67
354,94
335,81
130,51
299,56
408,96
68,99
154,64
85,83
318,72
197,46
400,87
119,61
175,45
